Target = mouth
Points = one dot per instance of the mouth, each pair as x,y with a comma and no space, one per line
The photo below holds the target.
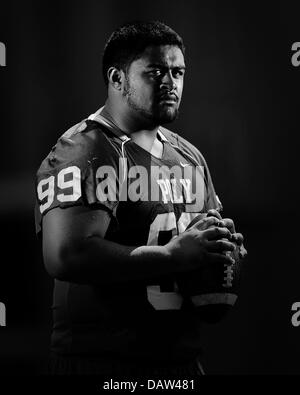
168,99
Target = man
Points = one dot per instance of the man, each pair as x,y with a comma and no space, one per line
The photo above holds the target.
115,196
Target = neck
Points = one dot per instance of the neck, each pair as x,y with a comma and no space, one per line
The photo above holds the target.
142,134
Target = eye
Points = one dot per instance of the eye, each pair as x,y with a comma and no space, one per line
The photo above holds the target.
177,73
156,72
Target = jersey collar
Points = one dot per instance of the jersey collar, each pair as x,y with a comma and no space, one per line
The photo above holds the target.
114,129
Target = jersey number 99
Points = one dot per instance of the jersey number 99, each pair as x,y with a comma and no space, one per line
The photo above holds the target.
67,179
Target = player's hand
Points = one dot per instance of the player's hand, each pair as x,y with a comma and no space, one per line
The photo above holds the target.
229,224
200,244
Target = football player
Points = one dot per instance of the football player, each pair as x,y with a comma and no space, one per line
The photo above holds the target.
115,195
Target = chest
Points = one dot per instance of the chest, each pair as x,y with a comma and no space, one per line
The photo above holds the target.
158,197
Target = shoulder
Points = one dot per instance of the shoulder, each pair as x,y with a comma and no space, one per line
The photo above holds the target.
212,200
184,145
69,175
83,142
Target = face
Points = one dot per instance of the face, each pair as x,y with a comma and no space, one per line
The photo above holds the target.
154,83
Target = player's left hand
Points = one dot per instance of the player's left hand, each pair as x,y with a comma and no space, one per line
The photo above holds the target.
228,223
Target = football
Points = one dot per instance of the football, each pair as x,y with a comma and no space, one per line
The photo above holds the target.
213,289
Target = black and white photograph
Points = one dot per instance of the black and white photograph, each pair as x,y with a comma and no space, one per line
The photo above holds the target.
149,197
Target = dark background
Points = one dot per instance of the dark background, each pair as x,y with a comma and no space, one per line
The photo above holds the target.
240,108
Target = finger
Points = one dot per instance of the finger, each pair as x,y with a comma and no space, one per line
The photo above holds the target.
220,258
214,213
217,233
242,252
238,238
206,223
228,223
219,246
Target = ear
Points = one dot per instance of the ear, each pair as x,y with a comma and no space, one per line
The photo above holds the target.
115,77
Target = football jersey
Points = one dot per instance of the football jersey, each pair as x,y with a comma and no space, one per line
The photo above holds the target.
150,200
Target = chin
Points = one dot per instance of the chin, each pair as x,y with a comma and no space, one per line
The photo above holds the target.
165,115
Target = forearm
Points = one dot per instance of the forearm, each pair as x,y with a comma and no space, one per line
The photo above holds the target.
99,261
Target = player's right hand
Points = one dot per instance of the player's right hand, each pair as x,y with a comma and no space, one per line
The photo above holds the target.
201,244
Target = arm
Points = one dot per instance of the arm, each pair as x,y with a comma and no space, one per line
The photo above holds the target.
75,250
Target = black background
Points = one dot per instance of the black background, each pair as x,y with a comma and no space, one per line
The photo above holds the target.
240,108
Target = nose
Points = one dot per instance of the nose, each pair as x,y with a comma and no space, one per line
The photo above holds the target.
168,81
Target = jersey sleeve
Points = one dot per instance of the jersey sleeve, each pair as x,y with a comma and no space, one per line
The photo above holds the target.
81,169
212,200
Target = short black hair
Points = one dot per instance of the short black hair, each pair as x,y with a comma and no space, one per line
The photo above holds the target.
129,41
